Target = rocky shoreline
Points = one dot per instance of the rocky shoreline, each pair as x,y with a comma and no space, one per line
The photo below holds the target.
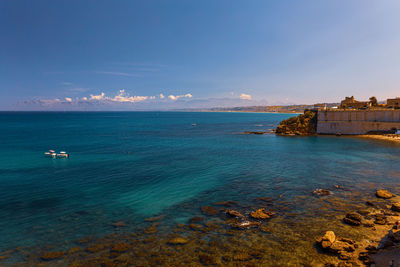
218,236
380,218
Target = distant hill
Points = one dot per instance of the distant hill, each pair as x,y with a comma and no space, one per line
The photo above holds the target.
277,109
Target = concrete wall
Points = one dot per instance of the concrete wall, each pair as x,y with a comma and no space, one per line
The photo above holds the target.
357,121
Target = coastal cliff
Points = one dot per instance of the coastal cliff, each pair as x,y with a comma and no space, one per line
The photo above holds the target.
304,124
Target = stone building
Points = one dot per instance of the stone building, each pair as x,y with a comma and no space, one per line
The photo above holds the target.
351,103
393,102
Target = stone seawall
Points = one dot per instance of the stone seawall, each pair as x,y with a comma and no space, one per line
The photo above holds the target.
357,121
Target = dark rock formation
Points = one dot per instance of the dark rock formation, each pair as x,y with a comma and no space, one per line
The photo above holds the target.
353,219
304,124
396,206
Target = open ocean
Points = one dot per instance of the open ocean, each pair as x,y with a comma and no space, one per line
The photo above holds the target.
129,166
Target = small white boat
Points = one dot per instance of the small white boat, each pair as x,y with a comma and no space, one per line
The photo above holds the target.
53,154
63,154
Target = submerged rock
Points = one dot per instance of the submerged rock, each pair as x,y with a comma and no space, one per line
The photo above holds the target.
196,219
380,219
118,224
51,255
384,194
208,210
353,219
178,241
245,225
234,213
206,259
322,192
228,203
121,247
396,207
261,214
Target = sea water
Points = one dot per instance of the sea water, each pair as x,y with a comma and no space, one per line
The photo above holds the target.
128,166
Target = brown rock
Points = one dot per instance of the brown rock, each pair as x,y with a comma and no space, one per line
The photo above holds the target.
384,194
329,236
246,224
196,219
228,203
121,247
396,206
322,192
48,256
178,241
195,227
118,224
261,214
380,219
242,256
353,219
73,250
208,210
154,219
96,248
206,259
234,213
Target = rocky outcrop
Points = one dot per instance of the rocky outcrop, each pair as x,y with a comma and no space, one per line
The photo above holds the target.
304,124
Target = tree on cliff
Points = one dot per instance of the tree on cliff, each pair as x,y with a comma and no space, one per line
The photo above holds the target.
374,101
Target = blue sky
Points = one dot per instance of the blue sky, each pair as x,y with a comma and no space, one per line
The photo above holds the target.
178,54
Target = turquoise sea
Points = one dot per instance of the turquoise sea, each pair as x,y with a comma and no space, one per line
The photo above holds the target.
129,166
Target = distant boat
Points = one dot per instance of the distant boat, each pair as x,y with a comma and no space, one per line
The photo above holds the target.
194,124
53,154
63,154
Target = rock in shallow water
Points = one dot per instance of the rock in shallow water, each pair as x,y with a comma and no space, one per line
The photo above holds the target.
234,213
396,206
261,214
353,219
208,210
384,194
322,192
246,224
51,255
178,241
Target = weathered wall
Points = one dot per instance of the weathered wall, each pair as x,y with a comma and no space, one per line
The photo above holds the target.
357,121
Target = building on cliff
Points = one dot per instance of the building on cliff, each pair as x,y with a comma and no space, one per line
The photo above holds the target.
393,102
351,103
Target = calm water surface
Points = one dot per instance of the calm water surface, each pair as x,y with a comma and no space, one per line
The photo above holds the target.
128,166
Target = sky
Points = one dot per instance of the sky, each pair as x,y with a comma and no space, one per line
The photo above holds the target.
172,54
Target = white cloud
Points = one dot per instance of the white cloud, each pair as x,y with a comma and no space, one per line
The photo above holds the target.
176,97
162,96
245,96
68,99
97,97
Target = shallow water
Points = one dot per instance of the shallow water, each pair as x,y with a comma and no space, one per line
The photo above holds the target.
128,166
